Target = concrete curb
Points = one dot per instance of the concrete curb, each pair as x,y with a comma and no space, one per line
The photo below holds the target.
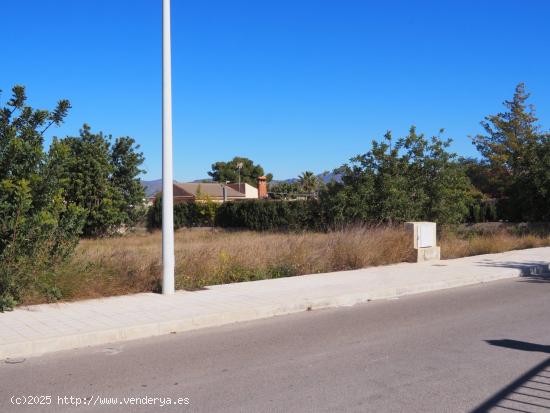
39,346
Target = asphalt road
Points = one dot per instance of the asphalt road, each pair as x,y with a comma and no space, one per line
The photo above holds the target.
448,351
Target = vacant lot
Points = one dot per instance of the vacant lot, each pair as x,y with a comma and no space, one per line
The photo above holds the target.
132,263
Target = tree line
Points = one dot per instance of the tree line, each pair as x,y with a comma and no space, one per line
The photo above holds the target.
416,177
82,185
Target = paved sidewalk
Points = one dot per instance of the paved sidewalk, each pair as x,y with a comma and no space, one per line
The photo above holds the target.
45,328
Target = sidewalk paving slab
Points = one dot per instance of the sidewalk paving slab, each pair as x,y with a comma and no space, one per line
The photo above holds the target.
39,329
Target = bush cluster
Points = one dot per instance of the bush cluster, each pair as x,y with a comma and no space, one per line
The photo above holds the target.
38,227
49,198
413,178
186,214
256,215
263,215
482,210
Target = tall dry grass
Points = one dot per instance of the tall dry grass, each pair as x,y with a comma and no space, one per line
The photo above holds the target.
480,239
132,263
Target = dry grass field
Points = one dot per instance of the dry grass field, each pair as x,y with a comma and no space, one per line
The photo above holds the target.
484,239
132,263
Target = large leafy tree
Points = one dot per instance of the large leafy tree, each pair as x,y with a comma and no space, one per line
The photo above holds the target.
38,228
229,171
126,161
101,178
413,178
514,152
482,176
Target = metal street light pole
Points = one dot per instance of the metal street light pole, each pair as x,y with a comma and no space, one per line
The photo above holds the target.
167,172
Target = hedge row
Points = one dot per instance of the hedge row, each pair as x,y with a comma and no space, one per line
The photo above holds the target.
265,215
256,215
262,215
192,214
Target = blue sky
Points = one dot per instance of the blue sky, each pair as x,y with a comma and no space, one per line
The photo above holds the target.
294,85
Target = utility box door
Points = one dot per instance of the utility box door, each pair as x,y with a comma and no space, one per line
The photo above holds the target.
426,235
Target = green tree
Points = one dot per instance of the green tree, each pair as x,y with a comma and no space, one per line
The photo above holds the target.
308,182
38,229
100,178
229,171
482,177
285,190
413,178
126,162
514,150
86,174
542,180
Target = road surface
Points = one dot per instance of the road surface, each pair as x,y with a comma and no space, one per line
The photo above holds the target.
456,350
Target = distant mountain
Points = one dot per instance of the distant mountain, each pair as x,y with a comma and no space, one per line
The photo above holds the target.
152,187
155,186
326,177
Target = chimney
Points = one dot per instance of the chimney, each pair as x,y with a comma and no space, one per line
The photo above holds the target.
262,187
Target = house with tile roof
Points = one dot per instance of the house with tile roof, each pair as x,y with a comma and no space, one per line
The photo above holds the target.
217,192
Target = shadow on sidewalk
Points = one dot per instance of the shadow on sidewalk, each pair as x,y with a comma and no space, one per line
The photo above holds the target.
528,393
534,271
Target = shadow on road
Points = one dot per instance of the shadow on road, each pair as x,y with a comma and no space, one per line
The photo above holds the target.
530,392
520,345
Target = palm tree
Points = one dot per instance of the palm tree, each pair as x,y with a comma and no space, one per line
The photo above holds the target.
308,181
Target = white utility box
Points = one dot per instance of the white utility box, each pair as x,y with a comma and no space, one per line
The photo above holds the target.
424,236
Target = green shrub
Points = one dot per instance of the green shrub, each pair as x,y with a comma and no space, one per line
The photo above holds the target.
186,214
409,179
483,210
101,177
39,229
263,215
